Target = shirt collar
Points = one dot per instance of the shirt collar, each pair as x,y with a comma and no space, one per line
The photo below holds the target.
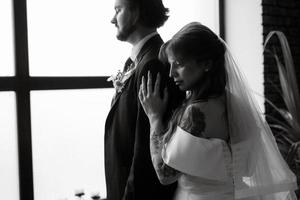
137,48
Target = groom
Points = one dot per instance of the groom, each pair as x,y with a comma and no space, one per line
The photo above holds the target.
128,166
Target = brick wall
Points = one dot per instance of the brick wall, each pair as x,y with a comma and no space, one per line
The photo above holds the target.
283,15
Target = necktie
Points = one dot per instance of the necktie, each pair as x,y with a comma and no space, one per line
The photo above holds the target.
128,65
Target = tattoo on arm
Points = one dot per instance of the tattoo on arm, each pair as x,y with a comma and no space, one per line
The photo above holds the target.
193,121
165,173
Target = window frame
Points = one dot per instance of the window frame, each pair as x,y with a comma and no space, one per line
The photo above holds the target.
22,84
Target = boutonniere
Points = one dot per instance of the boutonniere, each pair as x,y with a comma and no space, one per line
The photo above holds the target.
119,79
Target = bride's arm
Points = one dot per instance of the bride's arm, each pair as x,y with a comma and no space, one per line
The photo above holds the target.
165,173
154,106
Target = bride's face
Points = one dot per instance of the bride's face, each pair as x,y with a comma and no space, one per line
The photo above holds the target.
186,73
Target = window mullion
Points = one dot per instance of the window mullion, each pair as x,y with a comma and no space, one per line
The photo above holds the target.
23,100
222,19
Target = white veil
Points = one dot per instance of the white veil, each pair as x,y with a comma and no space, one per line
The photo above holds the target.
259,171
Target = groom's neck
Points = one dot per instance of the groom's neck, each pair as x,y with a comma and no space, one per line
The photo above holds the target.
139,34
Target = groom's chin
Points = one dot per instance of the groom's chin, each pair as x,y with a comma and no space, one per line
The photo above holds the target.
125,33
121,37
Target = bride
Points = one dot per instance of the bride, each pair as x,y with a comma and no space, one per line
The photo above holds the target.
216,145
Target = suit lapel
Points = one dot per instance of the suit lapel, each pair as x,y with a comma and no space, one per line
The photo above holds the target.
152,42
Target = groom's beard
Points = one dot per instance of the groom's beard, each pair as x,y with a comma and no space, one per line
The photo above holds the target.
125,32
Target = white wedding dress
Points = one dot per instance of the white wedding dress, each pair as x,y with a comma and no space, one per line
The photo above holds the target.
213,169
205,163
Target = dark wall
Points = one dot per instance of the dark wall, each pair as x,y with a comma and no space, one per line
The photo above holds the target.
282,15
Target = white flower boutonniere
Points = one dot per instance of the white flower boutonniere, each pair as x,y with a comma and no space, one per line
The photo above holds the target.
119,79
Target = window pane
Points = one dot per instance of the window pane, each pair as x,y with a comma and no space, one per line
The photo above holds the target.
9,181
67,140
6,39
245,41
183,12
73,38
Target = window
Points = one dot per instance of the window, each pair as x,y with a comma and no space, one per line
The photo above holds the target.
67,141
244,35
181,13
9,182
75,41
60,90
6,39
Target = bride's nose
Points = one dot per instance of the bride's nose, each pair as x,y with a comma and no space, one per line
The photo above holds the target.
172,72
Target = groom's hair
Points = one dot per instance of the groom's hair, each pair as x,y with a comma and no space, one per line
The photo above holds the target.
153,13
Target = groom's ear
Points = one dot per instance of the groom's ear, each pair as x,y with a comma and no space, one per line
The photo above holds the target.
136,15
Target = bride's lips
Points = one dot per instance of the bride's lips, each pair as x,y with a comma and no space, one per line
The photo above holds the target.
177,82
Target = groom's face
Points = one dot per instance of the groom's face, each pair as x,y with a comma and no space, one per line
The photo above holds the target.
124,19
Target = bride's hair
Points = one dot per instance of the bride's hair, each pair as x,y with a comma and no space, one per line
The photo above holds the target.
197,42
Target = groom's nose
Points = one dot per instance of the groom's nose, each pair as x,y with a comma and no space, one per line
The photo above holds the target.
113,20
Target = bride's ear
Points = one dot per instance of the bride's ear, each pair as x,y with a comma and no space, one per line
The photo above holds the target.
207,65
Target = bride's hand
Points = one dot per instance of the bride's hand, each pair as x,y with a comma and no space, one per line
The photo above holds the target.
154,105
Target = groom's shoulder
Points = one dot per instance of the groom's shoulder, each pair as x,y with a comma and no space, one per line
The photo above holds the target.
148,59
150,62
150,49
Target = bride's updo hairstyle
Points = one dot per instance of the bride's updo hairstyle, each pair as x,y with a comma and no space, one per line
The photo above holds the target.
197,42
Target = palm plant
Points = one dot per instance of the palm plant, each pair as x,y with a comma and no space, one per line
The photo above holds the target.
290,128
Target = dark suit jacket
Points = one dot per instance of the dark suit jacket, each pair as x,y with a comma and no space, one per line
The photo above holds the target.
128,168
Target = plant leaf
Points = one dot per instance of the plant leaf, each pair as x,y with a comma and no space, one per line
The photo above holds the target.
288,81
